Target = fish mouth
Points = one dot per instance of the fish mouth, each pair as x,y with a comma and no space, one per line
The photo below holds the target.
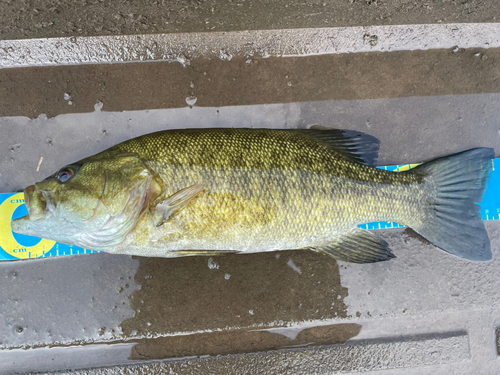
36,203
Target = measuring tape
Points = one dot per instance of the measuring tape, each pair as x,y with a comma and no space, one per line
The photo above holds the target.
19,246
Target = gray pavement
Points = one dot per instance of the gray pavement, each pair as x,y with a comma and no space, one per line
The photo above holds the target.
22,19
297,312
146,307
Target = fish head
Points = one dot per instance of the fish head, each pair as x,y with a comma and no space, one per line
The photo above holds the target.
92,204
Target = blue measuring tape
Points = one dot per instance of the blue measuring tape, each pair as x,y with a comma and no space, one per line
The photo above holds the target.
19,246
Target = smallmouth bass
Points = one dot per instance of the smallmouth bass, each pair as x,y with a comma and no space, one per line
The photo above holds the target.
218,191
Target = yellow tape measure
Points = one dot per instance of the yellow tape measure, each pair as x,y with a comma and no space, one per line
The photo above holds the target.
7,241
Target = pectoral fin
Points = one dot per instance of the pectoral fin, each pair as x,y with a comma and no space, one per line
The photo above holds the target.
357,246
176,202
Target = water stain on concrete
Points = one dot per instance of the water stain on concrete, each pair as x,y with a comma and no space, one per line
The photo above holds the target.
226,302
412,234
240,341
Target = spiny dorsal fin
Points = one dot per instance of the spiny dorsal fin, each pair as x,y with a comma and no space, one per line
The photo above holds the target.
357,246
359,147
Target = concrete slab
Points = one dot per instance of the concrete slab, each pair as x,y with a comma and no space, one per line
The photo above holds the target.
297,312
183,47
408,353
22,19
150,305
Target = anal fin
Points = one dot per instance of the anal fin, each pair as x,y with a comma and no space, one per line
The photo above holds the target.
357,246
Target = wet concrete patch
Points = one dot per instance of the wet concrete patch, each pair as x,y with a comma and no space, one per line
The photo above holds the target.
240,341
412,234
235,291
247,81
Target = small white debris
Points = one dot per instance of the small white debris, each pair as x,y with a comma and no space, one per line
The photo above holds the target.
39,163
212,265
251,312
293,266
225,56
227,276
98,106
183,60
191,100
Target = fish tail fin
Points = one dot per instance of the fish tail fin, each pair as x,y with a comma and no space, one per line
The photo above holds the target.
456,184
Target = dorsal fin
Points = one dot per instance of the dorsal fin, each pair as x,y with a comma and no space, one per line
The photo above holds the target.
359,147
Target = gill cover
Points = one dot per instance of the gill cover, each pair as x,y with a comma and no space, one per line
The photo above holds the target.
95,208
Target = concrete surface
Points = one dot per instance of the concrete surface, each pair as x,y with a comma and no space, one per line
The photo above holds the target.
22,19
425,312
160,308
183,47
360,357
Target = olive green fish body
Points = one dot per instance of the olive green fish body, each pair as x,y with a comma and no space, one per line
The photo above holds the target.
216,191
264,190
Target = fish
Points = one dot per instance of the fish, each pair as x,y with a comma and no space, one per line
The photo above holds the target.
220,191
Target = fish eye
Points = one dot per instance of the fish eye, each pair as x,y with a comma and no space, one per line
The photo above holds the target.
65,174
